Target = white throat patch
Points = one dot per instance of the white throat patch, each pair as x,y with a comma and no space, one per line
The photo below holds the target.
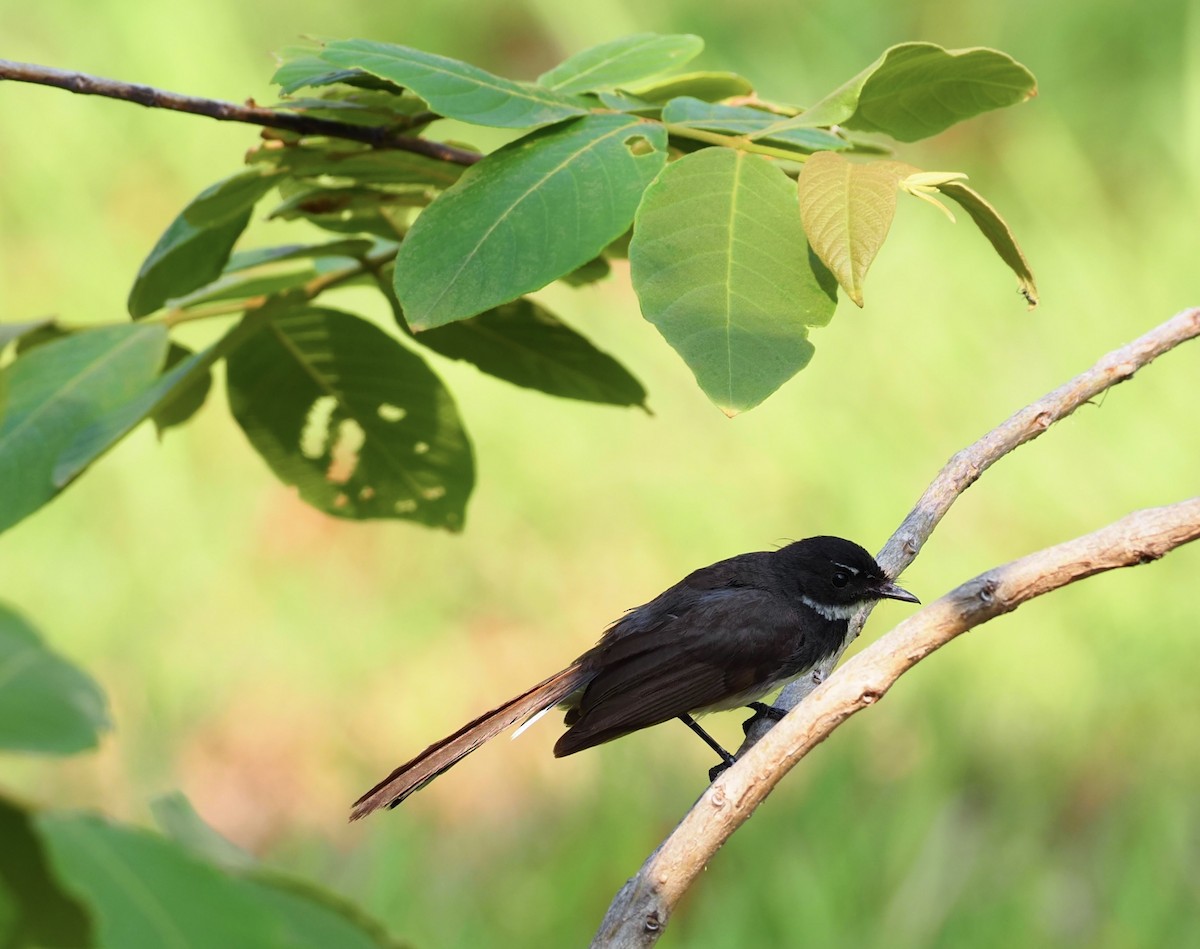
830,612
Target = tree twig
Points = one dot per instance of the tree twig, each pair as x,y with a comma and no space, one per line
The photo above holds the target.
377,136
640,911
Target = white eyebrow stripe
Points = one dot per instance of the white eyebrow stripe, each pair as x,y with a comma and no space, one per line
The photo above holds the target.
846,566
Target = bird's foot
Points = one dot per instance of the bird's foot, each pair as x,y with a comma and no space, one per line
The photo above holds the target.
717,770
762,711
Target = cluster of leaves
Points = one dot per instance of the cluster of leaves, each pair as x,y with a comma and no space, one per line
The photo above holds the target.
739,217
77,880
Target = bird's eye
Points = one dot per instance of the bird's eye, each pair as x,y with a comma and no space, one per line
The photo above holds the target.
841,578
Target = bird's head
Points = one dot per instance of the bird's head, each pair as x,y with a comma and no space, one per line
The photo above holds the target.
834,576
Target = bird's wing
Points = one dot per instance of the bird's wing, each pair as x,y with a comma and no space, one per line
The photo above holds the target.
723,645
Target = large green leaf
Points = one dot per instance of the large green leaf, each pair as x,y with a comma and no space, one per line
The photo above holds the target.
194,249
847,209
455,89
915,90
622,61
526,215
145,892
46,704
522,343
994,228
722,269
57,391
355,421
41,913
690,112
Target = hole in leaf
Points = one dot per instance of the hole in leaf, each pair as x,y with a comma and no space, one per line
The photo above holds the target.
391,413
366,493
434,493
407,506
343,458
421,447
315,434
638,145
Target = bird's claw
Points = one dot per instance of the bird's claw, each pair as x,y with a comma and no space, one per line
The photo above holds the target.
762,711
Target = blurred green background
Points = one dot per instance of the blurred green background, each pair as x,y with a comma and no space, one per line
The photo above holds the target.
1038,783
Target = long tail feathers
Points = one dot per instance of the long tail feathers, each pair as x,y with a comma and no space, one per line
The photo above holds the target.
443,755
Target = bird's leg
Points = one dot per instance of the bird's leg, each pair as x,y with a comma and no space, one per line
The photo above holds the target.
762,710
726,758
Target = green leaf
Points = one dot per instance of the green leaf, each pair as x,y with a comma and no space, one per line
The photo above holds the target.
58,390
196,246
622,61
622,102
46,333
309,917
997,232
349,248
243,286
524,216
317,919
145,891
273,270
403,111
722,269
846,209
455,89
190,391
524,344
42,914
354,210
302,66
355,421
46,704
595,270
360,164
167,393
709,86
916,90
690,112
177,819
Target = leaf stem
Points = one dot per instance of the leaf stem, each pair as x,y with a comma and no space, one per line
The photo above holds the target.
741,142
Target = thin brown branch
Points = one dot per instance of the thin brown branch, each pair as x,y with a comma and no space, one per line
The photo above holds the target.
965,467
640,911
642,908
376,136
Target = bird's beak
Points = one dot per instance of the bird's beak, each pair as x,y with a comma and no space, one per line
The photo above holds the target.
889,591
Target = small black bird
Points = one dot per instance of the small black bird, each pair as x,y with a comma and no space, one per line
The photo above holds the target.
722,637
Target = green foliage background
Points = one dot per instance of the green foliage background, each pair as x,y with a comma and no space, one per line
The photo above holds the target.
1034,784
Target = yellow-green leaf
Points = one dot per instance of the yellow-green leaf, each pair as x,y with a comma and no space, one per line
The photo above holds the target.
846,209
997,232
